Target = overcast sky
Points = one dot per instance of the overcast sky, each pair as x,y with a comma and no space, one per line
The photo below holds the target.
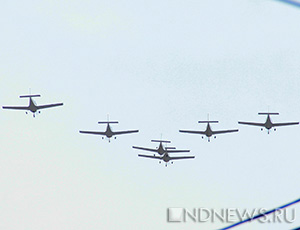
156,66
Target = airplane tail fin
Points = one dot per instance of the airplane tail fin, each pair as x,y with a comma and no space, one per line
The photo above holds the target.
268,113
170,148
25,96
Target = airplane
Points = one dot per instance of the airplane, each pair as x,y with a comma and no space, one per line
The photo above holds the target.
32,107
161,150
109,133
268,124
209,132
166,158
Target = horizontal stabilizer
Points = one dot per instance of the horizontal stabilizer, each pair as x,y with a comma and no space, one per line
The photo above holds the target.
268,113
161,141
178,151
108,122
170,147
24,96
208,121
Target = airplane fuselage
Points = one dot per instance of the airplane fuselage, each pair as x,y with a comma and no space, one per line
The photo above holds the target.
32,106
161,149
109,133
268,124
166,157
208,131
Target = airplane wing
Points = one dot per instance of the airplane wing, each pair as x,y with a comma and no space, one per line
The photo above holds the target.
125,132
181,158
287,123
225,131
251,123
93,132
49,106
192,132
177,151
146,149
147,156
16,107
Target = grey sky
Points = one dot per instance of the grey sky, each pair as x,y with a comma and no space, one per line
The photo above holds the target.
156,66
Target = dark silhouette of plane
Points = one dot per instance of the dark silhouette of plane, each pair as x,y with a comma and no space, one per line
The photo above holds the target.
166,158
161,150
32,107
209,132
109,133
268,124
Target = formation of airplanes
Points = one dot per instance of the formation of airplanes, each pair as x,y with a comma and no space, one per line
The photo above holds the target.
162,152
